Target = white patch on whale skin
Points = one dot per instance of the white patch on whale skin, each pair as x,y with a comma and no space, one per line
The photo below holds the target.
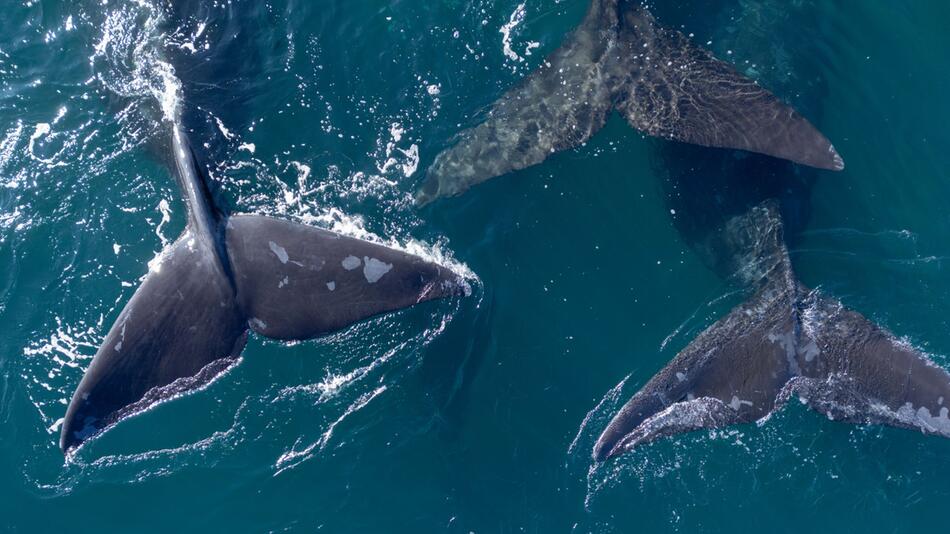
118,346
920,418
350,262
331,285
155,264
680,376
787,342
349,226
283,282
737,403
279,251
810,351
258,324
375,269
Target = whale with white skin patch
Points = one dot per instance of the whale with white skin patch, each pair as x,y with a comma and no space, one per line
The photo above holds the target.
787,339
225,275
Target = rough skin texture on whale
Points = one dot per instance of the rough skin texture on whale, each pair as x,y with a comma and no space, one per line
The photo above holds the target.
785,341
676,90
558,106
620,59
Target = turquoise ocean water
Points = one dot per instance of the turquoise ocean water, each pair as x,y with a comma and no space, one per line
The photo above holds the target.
477,415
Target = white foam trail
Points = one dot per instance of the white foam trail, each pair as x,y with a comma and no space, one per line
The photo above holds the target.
303,172
68,347
411,155
293,458
360,403
513,21
166,212
168,93
333,384
129,61
516,18
8,145
610,397
42,129
227,133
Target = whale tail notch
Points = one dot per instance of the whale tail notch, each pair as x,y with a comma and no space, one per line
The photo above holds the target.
620,59
785,341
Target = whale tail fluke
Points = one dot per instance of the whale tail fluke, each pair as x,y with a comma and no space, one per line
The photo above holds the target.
188,320
620,59
556,107
673,89
298,282
181,324
785,341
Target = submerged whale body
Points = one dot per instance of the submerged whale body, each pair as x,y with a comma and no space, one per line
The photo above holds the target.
189,319
620,59
785,341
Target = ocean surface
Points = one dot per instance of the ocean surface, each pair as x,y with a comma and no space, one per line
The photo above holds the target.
475,415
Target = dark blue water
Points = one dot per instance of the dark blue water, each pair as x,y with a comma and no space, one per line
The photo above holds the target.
469,416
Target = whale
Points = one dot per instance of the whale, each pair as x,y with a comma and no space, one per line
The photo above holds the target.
620,59
786,341
228,275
